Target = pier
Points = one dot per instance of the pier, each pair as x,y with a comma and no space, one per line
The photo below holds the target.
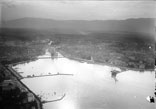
58,74
54,100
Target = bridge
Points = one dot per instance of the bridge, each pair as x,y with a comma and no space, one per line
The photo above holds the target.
50,57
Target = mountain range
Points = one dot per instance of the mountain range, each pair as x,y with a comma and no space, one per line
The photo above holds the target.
139,25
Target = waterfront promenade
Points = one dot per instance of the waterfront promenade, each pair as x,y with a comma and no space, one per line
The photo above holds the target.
19,77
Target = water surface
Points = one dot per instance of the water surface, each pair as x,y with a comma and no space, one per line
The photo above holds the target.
90,87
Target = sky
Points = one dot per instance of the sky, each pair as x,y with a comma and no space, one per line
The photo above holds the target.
77,10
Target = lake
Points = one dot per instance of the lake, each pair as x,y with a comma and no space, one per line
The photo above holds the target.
89,87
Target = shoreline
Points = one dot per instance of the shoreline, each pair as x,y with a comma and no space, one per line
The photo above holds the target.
88,61
108,64
65,55
19,77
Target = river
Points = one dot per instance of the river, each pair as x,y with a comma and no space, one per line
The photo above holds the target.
90,87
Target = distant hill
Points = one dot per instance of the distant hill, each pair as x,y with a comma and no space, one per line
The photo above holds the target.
140,25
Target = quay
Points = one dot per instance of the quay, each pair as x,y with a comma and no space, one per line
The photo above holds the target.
18,78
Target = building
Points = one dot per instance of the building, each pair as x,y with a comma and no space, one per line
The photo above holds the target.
8,85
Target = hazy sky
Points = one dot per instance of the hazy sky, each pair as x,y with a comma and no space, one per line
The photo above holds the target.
77,10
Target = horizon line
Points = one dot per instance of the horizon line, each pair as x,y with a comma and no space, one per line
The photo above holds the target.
77,19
